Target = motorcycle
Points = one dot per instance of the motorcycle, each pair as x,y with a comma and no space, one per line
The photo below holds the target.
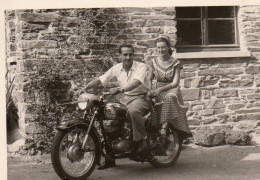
105,131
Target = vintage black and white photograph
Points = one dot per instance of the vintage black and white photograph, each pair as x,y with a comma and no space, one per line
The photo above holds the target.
133,92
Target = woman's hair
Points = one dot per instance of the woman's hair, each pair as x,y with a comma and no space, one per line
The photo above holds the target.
167,41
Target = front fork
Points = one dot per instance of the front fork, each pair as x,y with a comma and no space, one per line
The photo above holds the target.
89,129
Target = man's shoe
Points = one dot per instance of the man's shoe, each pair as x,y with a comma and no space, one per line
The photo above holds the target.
107,164
142,145
144,151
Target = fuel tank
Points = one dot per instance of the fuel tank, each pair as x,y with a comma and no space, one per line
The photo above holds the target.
115,111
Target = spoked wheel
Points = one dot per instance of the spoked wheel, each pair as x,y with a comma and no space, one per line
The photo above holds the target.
68,158
165,154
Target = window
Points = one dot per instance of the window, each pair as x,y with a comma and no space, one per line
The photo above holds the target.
212,28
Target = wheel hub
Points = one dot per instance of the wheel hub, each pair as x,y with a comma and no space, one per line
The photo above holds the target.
75,153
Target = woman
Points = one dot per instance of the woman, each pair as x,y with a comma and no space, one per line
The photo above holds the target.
166,71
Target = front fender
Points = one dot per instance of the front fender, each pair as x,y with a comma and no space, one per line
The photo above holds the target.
72,123
82,123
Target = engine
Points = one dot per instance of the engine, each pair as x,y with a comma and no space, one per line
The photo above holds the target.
117,127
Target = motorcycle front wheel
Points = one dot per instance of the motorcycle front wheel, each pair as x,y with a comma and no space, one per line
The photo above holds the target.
168,153
68,158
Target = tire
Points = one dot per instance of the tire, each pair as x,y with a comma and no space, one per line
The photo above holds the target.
168,157
67,158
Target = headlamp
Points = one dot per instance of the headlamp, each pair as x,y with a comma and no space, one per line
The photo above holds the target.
86,100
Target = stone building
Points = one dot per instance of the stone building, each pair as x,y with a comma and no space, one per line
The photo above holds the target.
219,47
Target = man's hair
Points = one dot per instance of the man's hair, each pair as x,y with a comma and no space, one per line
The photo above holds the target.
125,45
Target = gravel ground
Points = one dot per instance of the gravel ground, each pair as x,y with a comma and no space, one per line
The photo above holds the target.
195,163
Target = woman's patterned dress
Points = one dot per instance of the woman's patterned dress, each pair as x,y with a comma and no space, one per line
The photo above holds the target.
172,110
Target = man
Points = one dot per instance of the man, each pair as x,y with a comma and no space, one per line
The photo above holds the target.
130,76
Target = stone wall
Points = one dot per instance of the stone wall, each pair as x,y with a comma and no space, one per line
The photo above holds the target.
224,92
217,91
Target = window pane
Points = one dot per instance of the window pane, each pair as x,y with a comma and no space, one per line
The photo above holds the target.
221,31
189,33
221,12
188,12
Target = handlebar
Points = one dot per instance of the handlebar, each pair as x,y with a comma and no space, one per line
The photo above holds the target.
153,100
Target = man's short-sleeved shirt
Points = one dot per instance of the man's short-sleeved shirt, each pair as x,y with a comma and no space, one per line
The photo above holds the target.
137,72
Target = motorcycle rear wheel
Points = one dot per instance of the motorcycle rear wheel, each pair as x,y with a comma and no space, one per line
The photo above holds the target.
172,150
68,160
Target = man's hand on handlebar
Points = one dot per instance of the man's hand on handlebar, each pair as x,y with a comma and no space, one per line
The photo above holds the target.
115,91
79,92
82,91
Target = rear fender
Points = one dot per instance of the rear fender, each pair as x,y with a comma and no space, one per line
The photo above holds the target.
74,123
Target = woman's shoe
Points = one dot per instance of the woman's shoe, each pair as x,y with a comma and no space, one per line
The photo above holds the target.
162,137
